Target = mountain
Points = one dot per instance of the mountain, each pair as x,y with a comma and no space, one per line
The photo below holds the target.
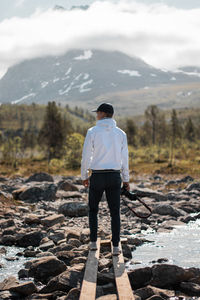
83,77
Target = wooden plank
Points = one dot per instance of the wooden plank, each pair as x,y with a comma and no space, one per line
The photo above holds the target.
88,289
124,289
107,242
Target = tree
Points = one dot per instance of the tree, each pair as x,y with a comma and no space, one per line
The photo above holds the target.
52,134
74,147
190,130
131,130
175,132
152,113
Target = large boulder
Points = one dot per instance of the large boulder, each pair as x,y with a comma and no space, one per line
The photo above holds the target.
44,268
7,283
36,193
140,277
165,275
40,177
74,209
71,278
166,209
29,239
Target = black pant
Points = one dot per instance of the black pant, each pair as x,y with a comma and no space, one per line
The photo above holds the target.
110,182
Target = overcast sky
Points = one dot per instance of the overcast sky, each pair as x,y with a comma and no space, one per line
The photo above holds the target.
163,33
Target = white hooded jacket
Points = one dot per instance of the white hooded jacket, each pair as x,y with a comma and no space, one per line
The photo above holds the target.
105,147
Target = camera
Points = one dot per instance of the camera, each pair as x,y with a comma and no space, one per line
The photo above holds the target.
128,194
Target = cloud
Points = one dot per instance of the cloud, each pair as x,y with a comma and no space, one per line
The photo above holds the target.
165,37
19,3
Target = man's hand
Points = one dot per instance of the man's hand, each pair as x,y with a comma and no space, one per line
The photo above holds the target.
127,185
86,182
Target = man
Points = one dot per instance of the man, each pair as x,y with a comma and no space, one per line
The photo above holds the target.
105,153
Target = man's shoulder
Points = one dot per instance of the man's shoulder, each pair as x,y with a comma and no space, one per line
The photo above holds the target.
120,131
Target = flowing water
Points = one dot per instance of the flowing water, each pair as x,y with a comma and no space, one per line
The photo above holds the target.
180,247
11,268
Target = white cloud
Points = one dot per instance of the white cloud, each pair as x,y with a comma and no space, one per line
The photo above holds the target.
163,36
19,3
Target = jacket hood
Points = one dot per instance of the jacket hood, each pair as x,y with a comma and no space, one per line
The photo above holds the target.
106,123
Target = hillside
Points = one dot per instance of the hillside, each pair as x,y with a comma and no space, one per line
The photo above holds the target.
85,78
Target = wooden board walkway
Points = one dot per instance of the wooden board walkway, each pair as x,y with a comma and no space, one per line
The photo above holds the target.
124,289
88,289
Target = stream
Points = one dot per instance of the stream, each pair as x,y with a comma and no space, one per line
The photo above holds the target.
179,247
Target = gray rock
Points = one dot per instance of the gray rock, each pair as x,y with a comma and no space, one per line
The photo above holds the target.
7,283
29,239
166,209
140,277
193,186
74,209
32,194
24,289
190,288
43,268
67,186
71,278
46,246
53,220
7,223
40,177
6,295
150,193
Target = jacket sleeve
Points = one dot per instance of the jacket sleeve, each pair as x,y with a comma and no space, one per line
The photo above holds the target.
86,155
125,160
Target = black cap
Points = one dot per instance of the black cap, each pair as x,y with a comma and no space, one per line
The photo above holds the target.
105,107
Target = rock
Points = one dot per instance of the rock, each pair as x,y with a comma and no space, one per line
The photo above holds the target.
104,263
66,256
85,235
66,195
7,283
25,289
186,179
23,273
105,289
57,236
32,219
190,288
193,186
74,242
3,250
40,177
140,277
78,260
71,278
32,194
52,220
150,193
29,239
165,275
7,223
43,268
67,186
73,209
150,291
72,233
6,295
8,240
166,209
105,278
73,294
46,246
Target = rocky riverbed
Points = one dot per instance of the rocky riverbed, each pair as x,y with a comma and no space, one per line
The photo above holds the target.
44,238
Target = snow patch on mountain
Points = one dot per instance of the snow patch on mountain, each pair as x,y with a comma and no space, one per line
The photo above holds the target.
86,55
44,84
31,95
130,72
